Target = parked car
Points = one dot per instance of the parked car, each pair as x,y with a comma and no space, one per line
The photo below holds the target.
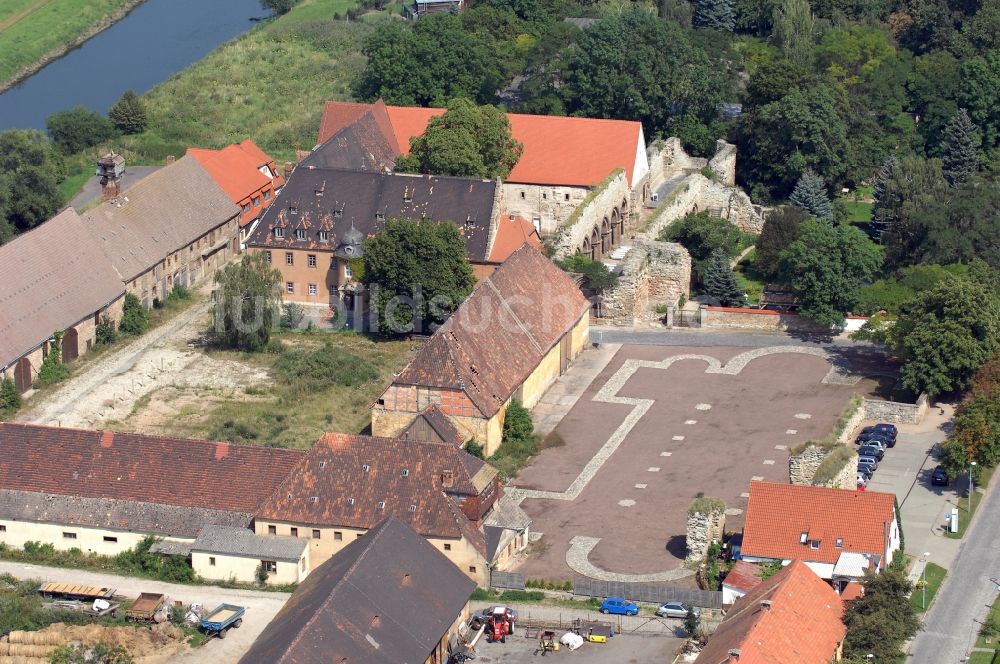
866,471
939,477
871,451
675,610
875,439
619,606
868,462
863,479
889,430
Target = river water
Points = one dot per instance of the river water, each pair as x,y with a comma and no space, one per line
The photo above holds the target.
156,40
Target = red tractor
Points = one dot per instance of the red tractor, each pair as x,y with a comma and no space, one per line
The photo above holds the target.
499,624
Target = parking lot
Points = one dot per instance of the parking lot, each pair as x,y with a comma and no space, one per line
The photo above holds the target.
621,649
658,426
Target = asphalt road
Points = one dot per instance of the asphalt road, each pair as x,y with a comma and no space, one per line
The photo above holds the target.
962,603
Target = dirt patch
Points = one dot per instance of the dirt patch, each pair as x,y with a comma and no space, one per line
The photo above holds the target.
161,643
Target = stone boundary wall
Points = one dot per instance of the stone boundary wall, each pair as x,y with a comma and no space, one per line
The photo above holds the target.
697,193
724,162
652,273
802,467
597,206
756,319
897,412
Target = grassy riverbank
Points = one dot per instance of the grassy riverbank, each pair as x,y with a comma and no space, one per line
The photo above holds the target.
34,32
268,84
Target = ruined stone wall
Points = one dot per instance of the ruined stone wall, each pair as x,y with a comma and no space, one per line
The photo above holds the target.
546,206
724,162
896,412
696,193
834,466
600,204
653,273
703,528
756,319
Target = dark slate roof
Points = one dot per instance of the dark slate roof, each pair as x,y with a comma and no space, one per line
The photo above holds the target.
126,515
332,486
498,336
44,289
160,214
386,598
148,469
331,200
229,541
368,144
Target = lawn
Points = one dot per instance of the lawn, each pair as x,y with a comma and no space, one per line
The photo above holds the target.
858,204
268,85
324,396
934,576
31,28
749,279
989,635
984,658
963,504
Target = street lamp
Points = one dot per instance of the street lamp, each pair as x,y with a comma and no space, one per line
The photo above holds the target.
923,581
971,487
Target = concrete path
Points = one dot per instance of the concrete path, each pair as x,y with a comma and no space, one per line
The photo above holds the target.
964,599
261,605
560,398
91,191
699,337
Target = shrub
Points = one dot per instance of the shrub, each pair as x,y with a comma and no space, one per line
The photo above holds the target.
134,320
596,274
78,128
475,449
105,333
39,549
261,575
521,596
832,464
179,293
129,114
52,369
10,398
292,315
320,368
235,432
519,443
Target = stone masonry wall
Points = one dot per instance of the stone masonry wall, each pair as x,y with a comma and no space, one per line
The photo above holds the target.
702,530
546,206
653,273
600,207
755,319
724,162
696,193
896,412
802,467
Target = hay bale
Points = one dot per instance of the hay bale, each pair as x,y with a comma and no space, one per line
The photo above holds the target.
8,659
25,650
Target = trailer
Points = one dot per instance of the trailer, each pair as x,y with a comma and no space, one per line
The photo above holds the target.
75,591
223,618
145,606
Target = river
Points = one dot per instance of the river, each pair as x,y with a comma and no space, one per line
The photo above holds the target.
157,39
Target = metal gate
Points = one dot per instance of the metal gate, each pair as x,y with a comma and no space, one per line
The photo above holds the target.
506,580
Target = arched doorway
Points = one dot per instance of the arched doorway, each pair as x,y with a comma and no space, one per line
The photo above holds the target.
22,375
70,345
585,248
595,244
616,231
605,236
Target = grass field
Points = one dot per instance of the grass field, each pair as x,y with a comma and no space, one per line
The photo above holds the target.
934,575
963,505
858,204
284,414
31,28
268,84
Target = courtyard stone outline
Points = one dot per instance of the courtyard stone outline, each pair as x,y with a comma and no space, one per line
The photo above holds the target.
578,553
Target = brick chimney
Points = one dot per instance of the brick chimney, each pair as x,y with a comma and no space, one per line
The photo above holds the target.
288,170
111,169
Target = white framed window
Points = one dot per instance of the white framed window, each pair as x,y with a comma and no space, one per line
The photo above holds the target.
324,236
311,259
300,234
348,272
279,232
268,254
312,289
290,288
289,258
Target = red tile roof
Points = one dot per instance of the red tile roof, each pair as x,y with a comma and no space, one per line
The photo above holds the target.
498,336
802,626
344,477
133,467
236,168
778,514
511,234
558,150
852,591
743,576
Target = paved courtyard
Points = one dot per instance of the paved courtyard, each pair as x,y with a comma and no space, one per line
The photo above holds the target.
622,648
657,426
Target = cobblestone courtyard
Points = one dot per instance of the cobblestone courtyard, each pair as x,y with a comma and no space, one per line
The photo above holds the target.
656,427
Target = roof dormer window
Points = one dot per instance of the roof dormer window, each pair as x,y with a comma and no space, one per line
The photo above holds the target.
338,213
324,236
300,234
840,543
380,216
366,467
804,537
381,504
279,232
814,544
406,472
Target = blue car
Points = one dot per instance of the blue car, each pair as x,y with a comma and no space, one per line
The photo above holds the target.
620,607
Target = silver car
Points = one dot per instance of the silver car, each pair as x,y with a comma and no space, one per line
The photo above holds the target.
675,610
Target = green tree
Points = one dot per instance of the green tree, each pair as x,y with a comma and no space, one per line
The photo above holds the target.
810,195
135,319
946,334
783,138
278,7
417,272
10,398
467,140
881,195
959,227
692,621
129,114
78,128
429,62
517,424
882,619
912,186
794,29
714,14
633,65
781,229
959,149
104,332
247,303
719,281
53,370
596,273
827,266
30,173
